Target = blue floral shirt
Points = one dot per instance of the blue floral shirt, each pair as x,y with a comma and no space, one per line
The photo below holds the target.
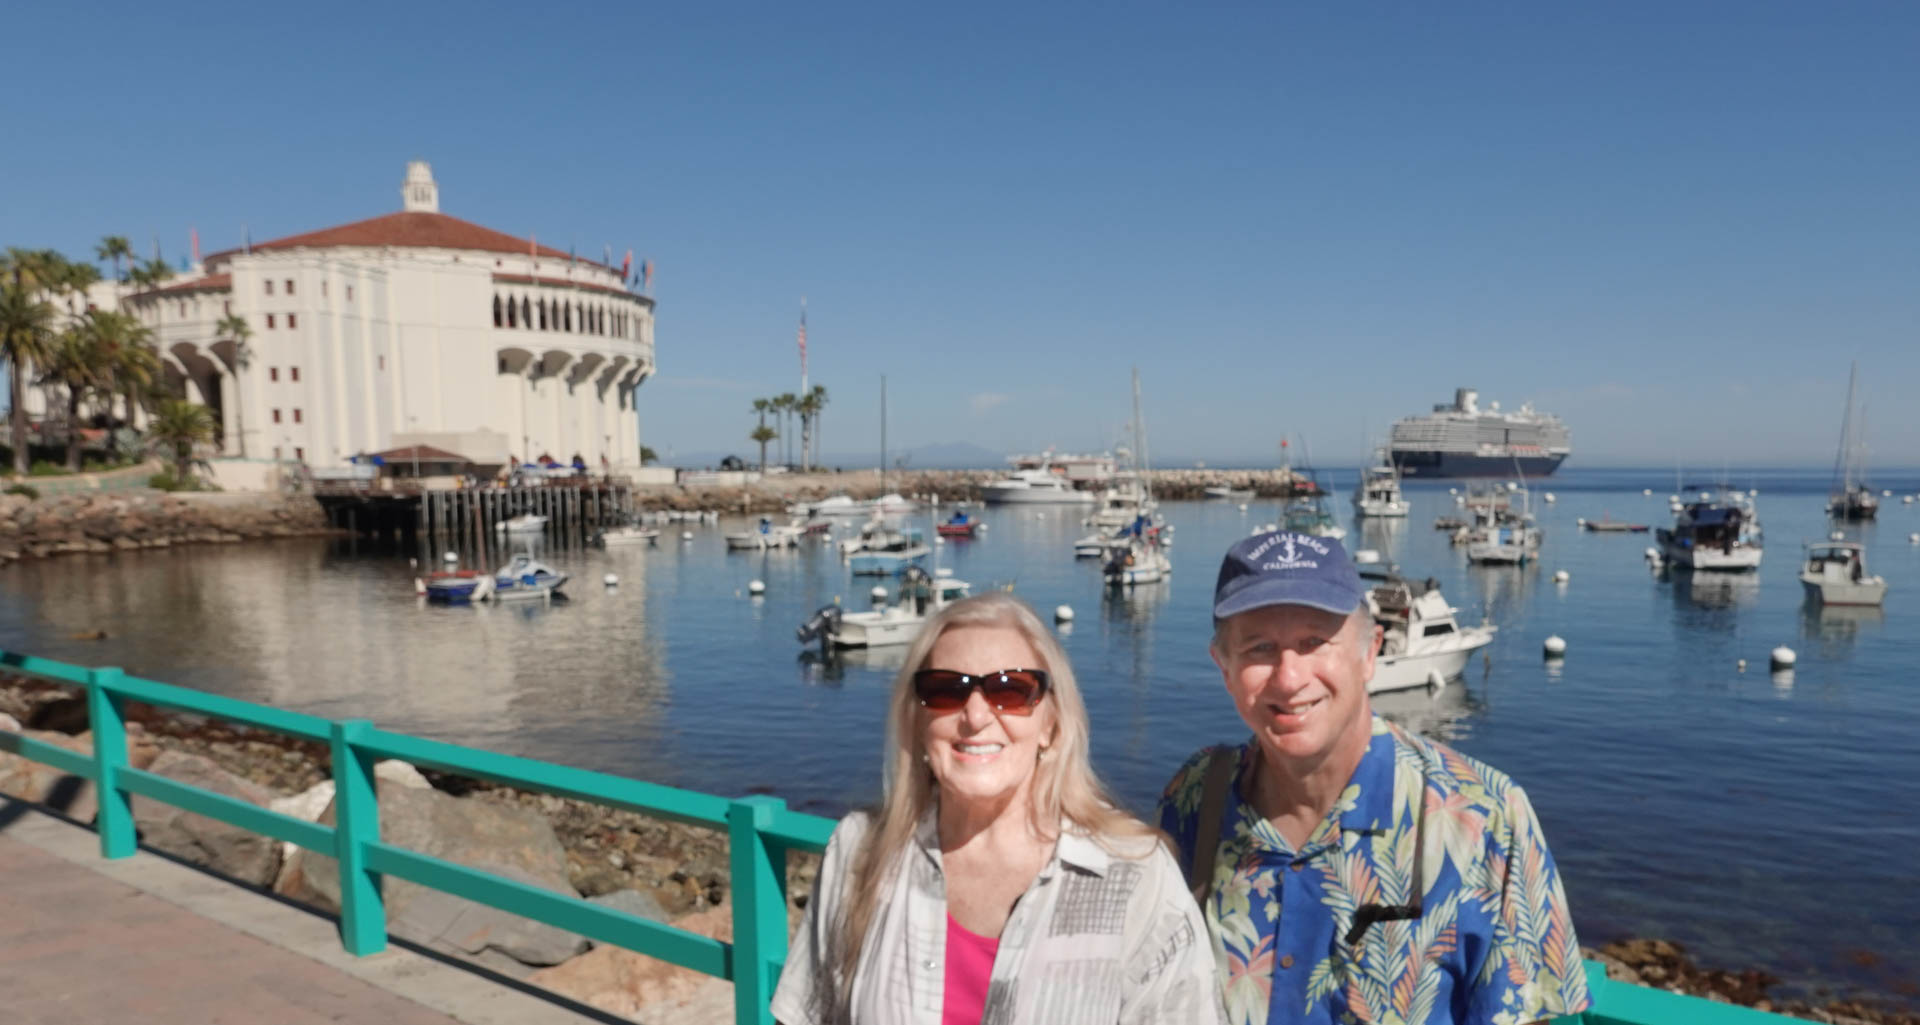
1493,942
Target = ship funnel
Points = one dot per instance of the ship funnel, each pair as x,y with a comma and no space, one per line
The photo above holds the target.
1466,400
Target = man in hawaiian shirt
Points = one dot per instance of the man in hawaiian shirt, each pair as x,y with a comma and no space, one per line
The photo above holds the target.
1359,873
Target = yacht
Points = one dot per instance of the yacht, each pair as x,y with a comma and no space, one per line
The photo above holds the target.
1379,492
1034,487
1422,644
1835,573
1715,532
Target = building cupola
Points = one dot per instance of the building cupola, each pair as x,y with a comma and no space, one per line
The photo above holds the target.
419,192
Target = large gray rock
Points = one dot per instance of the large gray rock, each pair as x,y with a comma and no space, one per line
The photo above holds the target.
512,842
227,849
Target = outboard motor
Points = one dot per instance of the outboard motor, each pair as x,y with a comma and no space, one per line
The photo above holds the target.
821,627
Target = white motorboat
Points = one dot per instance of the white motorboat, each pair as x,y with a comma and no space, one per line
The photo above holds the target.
1715,533
1230,494
889,552
1423,645
832,507
632,534
1504,539
765,535
1034,487
1308,514
526,523
1142,561
892,504
1836,573
526,578
1379,492
1125,501
918,598
1099,543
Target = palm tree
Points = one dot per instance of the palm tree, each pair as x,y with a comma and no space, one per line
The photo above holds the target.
818,396
763,434
115,248
77,362
132,365
760,407
177,427
157,272
234,328
786,403
806,407
26,331
74,280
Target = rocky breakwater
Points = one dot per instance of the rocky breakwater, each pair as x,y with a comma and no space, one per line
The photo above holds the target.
101,523
773,495
652,869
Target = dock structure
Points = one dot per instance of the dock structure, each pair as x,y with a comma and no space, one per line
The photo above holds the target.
575,508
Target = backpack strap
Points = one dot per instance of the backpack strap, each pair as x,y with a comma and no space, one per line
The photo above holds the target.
1206,844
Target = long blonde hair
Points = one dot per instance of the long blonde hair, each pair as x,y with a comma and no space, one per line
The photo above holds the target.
1064,789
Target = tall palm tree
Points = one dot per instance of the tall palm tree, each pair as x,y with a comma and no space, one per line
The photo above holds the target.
806,407
26,332
115,248
75,279
786,403
818,396
763,434
177,427
157,272
133,365
77,362
234,328
760,407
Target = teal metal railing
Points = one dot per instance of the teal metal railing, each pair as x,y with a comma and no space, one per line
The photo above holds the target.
760,831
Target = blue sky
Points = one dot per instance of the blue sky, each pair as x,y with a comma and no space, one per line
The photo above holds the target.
1674,225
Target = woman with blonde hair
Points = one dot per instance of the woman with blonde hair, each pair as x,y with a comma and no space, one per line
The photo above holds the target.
996,881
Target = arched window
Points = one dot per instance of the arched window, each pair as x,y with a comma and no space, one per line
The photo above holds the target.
526,311
496,311
566,316
513,313
543,314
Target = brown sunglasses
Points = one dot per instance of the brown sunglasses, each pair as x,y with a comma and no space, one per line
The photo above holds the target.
1011,691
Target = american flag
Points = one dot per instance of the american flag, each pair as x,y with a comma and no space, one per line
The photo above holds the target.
803,341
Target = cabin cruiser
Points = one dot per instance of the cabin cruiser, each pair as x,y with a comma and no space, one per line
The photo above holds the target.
1122,503
1142,560
1379,493
1836,573
1422,644
526,577
766,535
889,552
1034,487
1717,532
1506,538
1308,514
917,599
631,534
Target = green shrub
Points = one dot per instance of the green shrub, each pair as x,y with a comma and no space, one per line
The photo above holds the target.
166,481
28,490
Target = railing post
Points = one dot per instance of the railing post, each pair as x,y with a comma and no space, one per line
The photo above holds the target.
356,823
118,838
759,889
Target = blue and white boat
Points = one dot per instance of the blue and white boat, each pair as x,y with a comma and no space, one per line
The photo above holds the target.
890,553
527,578
457,586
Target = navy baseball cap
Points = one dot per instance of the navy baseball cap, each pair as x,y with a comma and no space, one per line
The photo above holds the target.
1287,568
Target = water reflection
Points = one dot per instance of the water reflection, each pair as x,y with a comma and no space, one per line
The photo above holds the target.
1836,628
1709,590
1386,535
1501,591
831,667
1443,715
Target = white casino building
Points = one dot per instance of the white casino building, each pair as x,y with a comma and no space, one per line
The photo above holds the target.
411,328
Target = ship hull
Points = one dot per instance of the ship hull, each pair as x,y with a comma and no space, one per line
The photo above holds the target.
1458,464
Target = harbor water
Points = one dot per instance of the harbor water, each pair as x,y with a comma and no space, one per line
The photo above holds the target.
1763,819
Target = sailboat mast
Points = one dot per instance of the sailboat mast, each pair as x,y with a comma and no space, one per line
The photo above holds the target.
1140,437
883,434
1843,460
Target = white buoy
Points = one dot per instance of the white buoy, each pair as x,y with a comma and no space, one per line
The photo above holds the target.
1366,557
686,535
1886,494
1653,555
1646,491
1913,539
1555,646
450,557
937,539
1243,505
1453,491
1063,614
1580,522
1549,497
756,587
1561,576
1459,500
1671,499
1782,657
611,580
1906,500
1741,665
419,586
1513,486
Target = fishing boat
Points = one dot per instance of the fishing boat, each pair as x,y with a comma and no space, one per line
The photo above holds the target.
1716,532
456,586
1505,539
526,523
1835,573
631,534
1379,492
765,535
890,553
1422,644
526,578
1851,498
918,598
960,525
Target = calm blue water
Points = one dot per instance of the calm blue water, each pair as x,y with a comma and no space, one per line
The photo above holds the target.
1762,820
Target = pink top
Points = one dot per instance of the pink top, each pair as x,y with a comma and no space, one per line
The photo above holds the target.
969,967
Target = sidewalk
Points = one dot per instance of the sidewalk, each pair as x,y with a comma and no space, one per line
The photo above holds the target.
85,940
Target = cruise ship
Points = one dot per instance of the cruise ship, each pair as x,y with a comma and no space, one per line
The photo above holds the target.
1460,439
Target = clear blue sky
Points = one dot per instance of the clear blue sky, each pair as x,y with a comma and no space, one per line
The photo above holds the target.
1672,224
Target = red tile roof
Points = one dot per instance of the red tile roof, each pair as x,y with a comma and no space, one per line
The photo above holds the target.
528,279
411,228
210,283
